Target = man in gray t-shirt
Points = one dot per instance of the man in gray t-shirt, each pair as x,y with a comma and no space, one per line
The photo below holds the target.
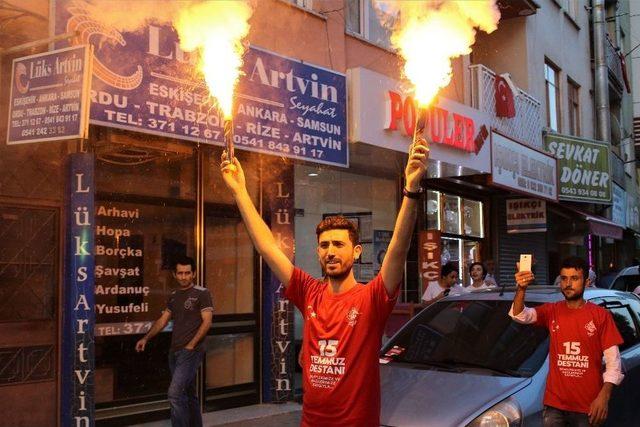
191,309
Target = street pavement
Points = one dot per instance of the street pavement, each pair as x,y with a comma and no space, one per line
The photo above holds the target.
264,415
292,419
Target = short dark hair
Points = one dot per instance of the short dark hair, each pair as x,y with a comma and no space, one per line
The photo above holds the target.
577,263
338,222
184,260
447,269
484,269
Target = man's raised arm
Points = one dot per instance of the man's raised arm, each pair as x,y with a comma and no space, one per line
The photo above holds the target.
259,232
393,264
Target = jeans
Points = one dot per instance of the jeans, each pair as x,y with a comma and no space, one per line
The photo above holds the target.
553,417
185,407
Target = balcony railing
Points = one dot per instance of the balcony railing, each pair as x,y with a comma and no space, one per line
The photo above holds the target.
613,63
526,126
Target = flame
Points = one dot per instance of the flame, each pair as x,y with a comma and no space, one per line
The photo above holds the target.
216,29
429,34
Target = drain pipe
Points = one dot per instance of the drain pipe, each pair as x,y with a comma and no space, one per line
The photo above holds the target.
603,128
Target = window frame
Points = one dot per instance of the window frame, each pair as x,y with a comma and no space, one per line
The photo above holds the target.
556,85
364,30
573,103
304,4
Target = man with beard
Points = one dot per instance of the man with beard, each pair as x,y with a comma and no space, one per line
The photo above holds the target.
191,309
581,332
344,319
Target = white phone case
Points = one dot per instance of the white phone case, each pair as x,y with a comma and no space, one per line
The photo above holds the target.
525,262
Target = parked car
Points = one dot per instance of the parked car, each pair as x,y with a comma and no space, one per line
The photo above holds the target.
628,279
463,361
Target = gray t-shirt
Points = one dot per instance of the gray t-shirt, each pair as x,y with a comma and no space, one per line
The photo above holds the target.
186,307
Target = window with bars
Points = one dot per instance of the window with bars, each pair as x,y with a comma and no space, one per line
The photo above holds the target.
573,94
552,91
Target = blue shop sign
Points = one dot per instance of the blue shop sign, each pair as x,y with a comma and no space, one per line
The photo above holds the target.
143,82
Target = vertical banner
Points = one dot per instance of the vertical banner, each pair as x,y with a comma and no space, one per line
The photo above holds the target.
77,407
429,257
277,311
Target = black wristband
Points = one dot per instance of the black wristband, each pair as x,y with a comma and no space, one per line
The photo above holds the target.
412,194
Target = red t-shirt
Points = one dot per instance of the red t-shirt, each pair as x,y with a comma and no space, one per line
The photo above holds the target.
340,348
578,339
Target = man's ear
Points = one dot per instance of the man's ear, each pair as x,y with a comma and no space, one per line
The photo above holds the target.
357,251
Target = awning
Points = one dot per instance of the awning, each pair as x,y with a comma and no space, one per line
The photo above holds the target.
596,225
603,227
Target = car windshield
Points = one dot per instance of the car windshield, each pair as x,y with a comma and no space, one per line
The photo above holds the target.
626,283
461,335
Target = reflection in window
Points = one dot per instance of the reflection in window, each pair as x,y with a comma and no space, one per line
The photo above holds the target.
472,218
362,19
626,327
433,210
229,265
235,353
552,93
451,205
451,251
476,335
573,92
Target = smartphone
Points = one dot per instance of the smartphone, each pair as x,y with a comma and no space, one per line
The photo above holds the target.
525,262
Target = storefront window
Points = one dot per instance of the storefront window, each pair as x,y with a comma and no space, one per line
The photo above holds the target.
461,221
472,218
451,214
433,210
145,217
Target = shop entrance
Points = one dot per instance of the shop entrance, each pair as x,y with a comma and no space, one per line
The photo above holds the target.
152,205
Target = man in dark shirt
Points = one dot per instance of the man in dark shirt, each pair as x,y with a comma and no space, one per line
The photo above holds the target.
191,310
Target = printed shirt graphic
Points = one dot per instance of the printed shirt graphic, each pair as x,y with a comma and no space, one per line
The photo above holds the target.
342,338
186,307
578,340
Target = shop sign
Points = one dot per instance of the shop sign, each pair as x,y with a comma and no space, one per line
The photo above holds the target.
383,113
584,170
619,208
49,96
77,352
429,256
381,240
633,213
443,126
143,82
526,216
522,169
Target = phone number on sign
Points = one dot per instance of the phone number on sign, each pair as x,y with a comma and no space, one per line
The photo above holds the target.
124,328
281,147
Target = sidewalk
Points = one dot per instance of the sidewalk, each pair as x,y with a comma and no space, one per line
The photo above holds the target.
265,415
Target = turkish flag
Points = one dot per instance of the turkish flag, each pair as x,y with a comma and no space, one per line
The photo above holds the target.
505,103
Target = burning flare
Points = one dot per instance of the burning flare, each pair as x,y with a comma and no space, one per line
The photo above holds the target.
429,33
216,29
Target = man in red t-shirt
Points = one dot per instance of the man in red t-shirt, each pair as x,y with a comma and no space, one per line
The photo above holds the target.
577,394
344,320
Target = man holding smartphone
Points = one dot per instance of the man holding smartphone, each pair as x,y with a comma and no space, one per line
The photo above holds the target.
581,333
